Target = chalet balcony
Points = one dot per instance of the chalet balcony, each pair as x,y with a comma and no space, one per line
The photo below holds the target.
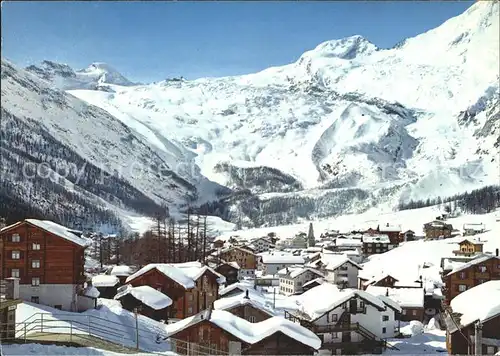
464,253
318,329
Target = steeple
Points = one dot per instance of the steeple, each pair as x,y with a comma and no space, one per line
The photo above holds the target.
310,236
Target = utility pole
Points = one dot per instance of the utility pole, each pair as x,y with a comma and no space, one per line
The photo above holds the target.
136,311
478,339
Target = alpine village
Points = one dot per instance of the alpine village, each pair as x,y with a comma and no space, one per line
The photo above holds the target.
301,295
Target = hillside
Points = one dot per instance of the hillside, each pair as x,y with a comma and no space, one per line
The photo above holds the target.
346,128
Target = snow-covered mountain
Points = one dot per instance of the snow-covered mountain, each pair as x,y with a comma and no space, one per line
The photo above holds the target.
346,127
97,76
66,156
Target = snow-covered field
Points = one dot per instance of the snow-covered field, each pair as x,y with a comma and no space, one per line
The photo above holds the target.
38,349
110,322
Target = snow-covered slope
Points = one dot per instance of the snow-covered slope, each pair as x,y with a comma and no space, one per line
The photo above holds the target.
346,127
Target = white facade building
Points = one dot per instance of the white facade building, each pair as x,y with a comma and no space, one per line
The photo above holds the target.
347,316
262,244
343,270
272,262
294,278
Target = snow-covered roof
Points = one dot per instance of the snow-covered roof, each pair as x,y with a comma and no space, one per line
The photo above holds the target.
316,280
105,280
294,272
378,278
334,264
147,295
475,227
378,238
239,285
184,274
389,228
474,262
55,229
280,258
121,271
405,297
250,333
472,241
390,303
330,298
240,300
233,247
347,242
479,303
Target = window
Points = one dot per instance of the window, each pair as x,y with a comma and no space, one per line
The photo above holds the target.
35,281
190,310
334,317
16,255
385,318
35,264
58,306
414,312
490,350
361,304
35,300
462,287
35,246
14,273
252,319
403,312
384,330
463,275
482,269
16,238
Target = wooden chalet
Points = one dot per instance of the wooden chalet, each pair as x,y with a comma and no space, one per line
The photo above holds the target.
230,271
144,300
49,261
220,332
468,275
437,229
469,247
192,286
245,258
472,318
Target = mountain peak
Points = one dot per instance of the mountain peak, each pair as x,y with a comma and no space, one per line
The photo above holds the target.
105,74
345,48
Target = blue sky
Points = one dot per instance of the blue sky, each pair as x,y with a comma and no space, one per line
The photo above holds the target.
148,41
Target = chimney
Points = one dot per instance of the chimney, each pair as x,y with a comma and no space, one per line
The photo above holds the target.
246,294
496,252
